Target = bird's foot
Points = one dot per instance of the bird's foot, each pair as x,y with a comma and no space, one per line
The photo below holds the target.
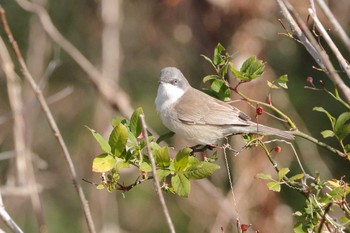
202,148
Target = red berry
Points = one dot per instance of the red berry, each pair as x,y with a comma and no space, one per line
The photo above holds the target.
309,79
245,227
259,111
278,149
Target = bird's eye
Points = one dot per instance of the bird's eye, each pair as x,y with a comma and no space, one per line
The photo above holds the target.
175,81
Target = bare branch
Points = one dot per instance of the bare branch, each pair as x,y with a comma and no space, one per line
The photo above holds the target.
108,90
331,44
6,218
51,121
337,27
320,56
25,168
155,177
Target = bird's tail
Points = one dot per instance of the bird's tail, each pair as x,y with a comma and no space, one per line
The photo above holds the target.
262,129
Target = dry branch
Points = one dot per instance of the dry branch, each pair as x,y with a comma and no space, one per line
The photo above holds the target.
308,40
25,168
155,177
108,90
51,121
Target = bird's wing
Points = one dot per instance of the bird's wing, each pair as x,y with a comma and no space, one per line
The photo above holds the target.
205,109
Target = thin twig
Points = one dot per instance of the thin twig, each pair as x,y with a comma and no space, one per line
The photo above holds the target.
155,177
330,42
312,46
323,219
6,218
234,199
337,27
321,144
51,121
25,171
108,90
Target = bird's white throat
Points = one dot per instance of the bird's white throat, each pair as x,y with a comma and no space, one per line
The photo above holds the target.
167,94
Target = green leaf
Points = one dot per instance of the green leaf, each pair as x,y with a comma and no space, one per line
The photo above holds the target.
118,139
297,177
282,173
165,136
252,68
162,156
181,185
217,60
237,73
347,148
103,143
298,214
208,59
117,120
103,163
300,228
100,187
327,133
145,167
121,164
274,186
154,146
162,174
342,129
330,117
181,159
263,176
201,170
282,81
135,122
221,90
272,85
210,77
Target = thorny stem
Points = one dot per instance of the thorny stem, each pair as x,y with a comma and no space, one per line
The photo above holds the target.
284,116
285,179
290,122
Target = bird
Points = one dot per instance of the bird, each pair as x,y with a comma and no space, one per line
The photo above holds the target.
200,118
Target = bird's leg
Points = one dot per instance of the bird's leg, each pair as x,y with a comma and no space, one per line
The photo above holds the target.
203,148
196,148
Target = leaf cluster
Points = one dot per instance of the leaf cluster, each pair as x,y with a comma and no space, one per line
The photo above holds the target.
126,147
340,128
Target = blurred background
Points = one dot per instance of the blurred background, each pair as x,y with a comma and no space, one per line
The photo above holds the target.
129,42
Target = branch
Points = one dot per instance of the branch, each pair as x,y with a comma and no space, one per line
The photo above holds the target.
25,168
337,27
155,177
321,144
312,46
108,90
330,42
6,218
51,121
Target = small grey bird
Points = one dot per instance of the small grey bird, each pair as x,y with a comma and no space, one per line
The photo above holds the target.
200,118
